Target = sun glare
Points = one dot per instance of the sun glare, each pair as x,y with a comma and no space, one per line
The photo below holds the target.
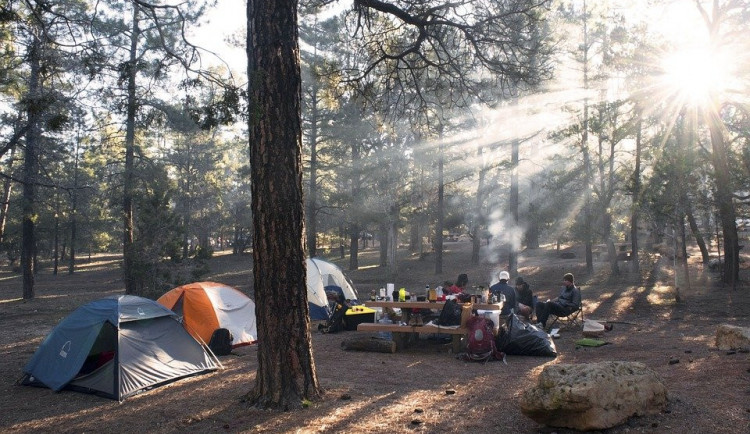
694,75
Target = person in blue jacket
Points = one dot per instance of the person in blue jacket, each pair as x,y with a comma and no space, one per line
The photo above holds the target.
502,288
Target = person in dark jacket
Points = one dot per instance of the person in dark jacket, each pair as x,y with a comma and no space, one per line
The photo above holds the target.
525,298
502,288
566,303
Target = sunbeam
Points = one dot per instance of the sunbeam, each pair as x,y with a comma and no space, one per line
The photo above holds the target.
696,74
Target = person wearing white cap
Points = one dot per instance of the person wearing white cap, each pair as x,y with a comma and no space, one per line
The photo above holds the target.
502,288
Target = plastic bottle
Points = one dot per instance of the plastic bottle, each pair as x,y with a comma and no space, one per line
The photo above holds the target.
402,294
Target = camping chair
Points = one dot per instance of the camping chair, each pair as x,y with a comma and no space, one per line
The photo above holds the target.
575,319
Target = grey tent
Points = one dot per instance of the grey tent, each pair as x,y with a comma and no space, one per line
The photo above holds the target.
116,347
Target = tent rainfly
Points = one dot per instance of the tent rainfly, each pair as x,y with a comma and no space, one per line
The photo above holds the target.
207,306
322,277
116,347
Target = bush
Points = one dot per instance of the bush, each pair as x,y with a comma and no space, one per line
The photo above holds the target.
201,269
204,253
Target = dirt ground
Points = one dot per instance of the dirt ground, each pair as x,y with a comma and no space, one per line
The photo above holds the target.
422,389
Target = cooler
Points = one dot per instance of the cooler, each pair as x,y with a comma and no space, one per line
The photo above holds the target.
357,315
493,315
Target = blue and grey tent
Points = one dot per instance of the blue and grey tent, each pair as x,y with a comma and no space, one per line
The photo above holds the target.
324,277
116,347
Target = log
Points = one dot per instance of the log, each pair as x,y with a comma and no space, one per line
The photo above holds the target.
367,343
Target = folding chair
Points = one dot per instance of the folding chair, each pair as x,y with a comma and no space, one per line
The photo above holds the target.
575,319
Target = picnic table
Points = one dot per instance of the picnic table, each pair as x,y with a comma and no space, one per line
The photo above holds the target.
401,333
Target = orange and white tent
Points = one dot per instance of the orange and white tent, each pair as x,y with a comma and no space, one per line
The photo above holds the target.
207,306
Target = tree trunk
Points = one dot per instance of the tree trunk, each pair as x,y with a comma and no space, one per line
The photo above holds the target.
354,247
588,218
612,257
5,200
696,232
393,241
286,370
515,239
57,244
532,233
683,258
342,250
476,230
438,242
415,236
636,199
74,212
383,238
719,152
355,228
128,248
724,202
31,168
312,199
186,201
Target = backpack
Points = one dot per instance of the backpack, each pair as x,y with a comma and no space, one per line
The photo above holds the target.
481,340
336,322
221,342
450,315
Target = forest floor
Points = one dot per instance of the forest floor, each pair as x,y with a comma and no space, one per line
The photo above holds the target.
709,389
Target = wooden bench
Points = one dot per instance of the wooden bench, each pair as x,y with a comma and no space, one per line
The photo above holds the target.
401,333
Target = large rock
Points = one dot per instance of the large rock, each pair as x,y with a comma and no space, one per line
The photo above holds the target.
593,396
729,337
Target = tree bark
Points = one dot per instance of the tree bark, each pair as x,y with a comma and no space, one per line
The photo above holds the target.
415,235
286,373
128,248
393,240
636,198
5,200
354,247
74,211
719,153
696,231
383,248
355,228
31,168
56,248
187,206
476,230
515,240
683,258
312,200
440,212
588,218
724,202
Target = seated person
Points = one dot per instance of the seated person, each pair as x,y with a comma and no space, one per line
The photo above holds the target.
459,286
566,303
525,298
502,288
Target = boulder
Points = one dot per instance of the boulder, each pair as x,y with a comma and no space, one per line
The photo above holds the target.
729,337
593,396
